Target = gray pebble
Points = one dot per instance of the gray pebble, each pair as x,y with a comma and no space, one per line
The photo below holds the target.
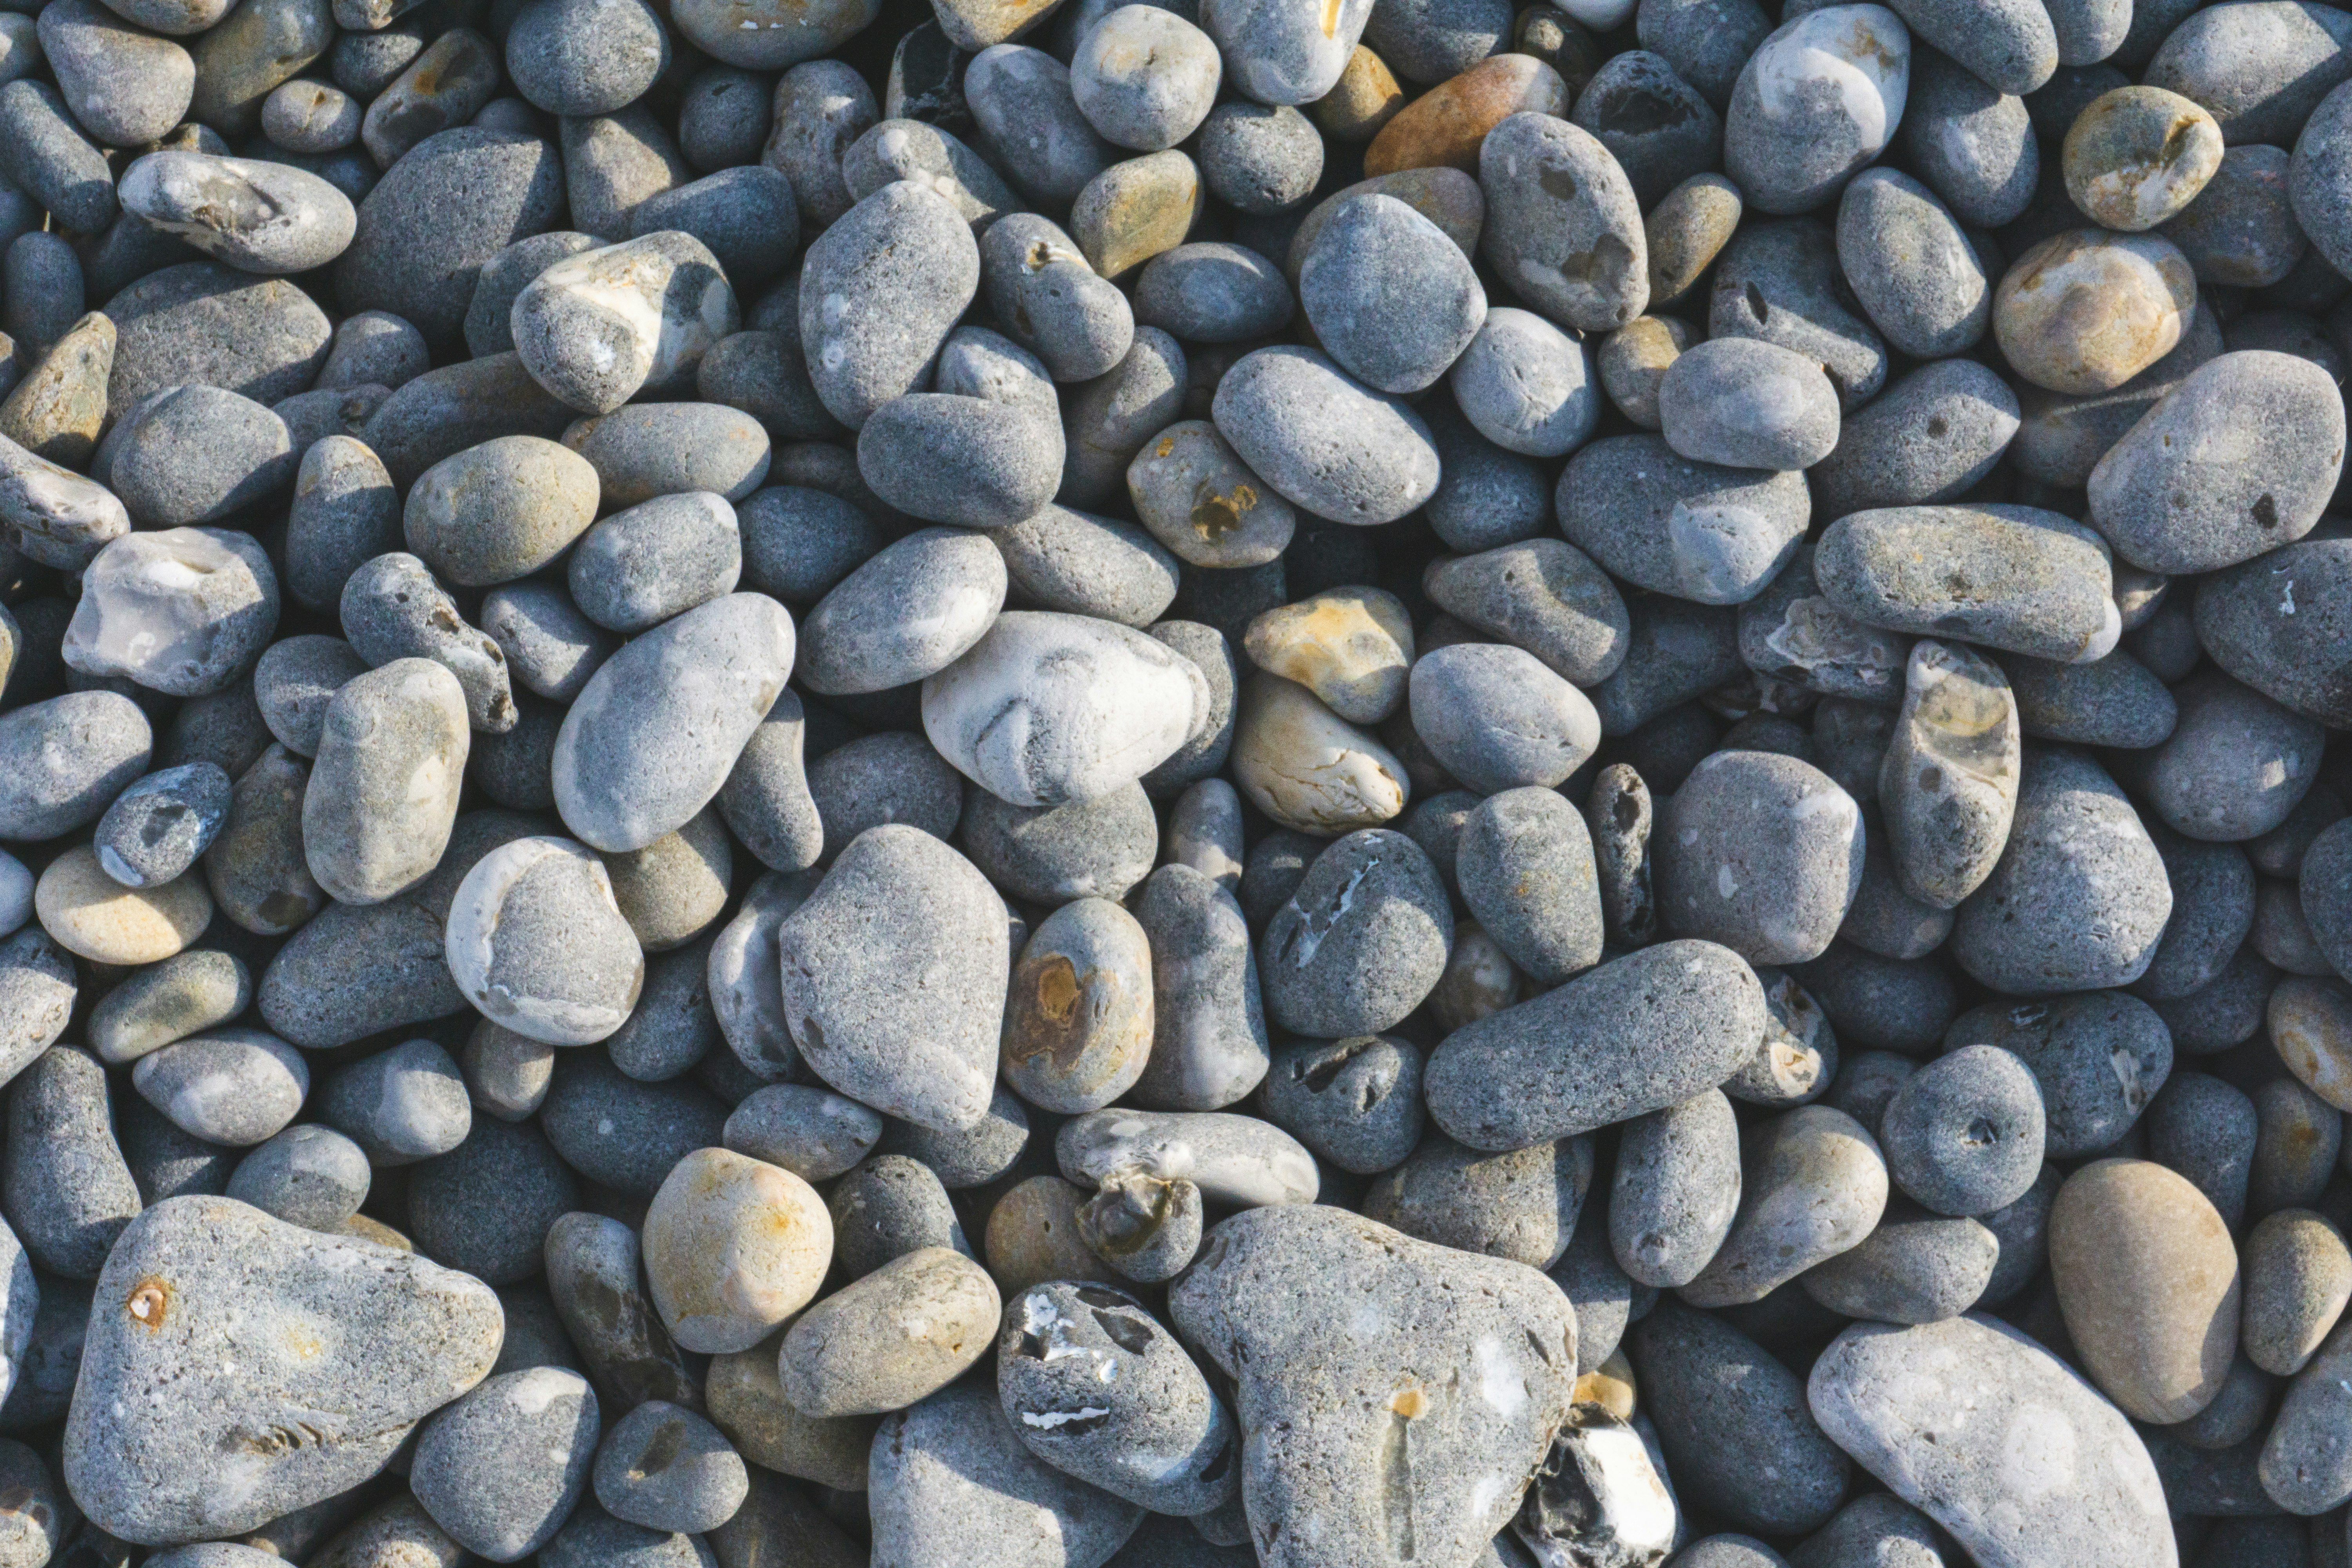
891,777
383,795
231,1086
1522,1204
1563,226
1790,143
306,1175
184,994
639,567
585,57
908,612
1390,296
502,1468
1543,595
1964,1134
879,292
550,647
124,86
1814,1186
157,827
670,1470
69,1192
1743,402
403,1105
392,609
1048,298
1360,942
2098,1057
1694,530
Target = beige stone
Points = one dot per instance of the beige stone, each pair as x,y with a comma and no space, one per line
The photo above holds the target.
90,913
1366,99
1610,1386
1352,647
1033,1236
1309,769
747,1402
1686,230
2311,1028
1134,209
1445,126
2137,155
2086,311
733,1247
2148,1280
57,410
2298,1278
896,1335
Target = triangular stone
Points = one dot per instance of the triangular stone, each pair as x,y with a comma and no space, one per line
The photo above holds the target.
238,1368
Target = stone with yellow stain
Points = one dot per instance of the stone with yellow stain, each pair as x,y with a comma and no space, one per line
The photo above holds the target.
1686,230
2086,311
382,794
2148,1280
2138,155
1610,1386
748,1403
1033,1236
1286,51
1634,359
1078,1020
238,1368
733,1247
91,914
1309,769
1365,98
895,1336
2310,1023
1134,209
1445,126
1201,500
1446,197
1352,647
57,411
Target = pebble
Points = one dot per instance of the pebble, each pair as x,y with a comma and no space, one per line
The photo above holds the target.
1777,893
1964,1136
535,939
2147,291
1816,1186
670,1470
383,793
1324,441
2149,1285
890,1337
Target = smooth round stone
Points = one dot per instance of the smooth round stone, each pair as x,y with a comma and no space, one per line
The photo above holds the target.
1198,499
1390,296
122,86
1543,595
891,1338
892,777
306,1175
1284,57
1445,126
1742,403
1324,442
1521,1205
1497,719
658,728
1724,1409
733,1248
1525,865
1047,708
236,1086
670,1470
2086,311
256,217
2235,763
179,610
1486,497
1920,277
65,1176
312,117
1363,101
197,454
394,608
2260,73
1761,853
1563,226
2298,1276
2138,155
909,612
1209,1042
448,206
157,827
1050,854
655,449
536,942
1501,1083
2148,1282
1972,144
1211,292
925,1053
68,758
1964,1134
1916,1267
1361,941
2257,629
1928,438
1662,521
1877,1393
186,993
596,327
2232,463
1525,385
974,462
2078,898
2213,898
655,559
1676,1189
500,510
503,1467
1355,1103
91,914
880,290
382,794
549,645
1080,563
1820,98
345,512
571,57
1045,294
403,1105
1814,1187
799,542
889,1207
2241,231
812,1132
36,982
2016,578
1021,102
1145,77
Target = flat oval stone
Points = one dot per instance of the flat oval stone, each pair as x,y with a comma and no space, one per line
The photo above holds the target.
657,730
1760,853
908,613
891,1337
1324,442
1948,785
1504,1082
1881,1392
94,916
1078,1020
1814,1187
1047,708
451,203
2149,1285
383,795
502,1468
880,290
264,218
2011,577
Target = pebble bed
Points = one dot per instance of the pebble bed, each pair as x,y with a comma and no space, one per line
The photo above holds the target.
1045,784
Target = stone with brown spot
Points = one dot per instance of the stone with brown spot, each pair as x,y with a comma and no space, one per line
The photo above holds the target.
1352,647
2148,1278
1201,500
1078,1019
733,1247
2138,155
1445,126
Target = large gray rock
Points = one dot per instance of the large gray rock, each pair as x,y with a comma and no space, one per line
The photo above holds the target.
238,1368
2031,1468
1396,1396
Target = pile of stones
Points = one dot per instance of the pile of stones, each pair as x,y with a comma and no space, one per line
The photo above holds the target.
1033,784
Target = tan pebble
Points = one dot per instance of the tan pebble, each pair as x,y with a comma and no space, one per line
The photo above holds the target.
1352,647
1366,99
91,914
746,1396
1635,357
2137,155
1309,769
2086,311
1610,1386
2148,1280
1134,209
2310,1023
733,1247
898,1334
1445,126
1686,230
1033,1236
